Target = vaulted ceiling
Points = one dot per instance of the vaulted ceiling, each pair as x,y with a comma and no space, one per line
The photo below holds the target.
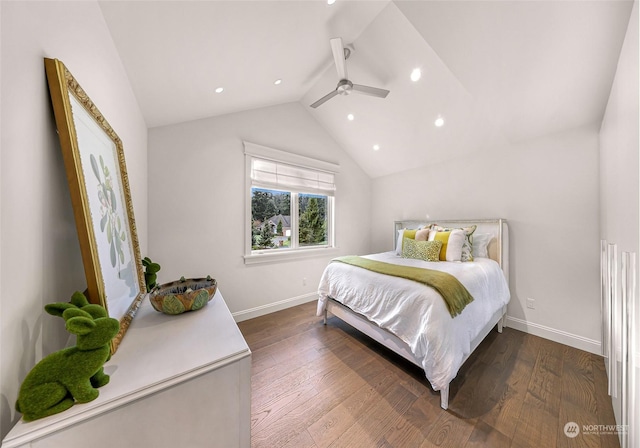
495,71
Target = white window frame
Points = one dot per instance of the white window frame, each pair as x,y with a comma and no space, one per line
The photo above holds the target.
253,151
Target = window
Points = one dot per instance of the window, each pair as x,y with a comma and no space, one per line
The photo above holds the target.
290,204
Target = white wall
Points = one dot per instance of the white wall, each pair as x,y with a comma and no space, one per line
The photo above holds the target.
197,204
40,259
547,189
619,149
619,164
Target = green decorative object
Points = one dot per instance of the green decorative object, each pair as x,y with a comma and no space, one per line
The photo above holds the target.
71,375
200,300
150,273
78,301
183,295
172,305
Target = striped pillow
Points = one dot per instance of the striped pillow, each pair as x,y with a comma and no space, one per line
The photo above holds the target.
452,242
467,254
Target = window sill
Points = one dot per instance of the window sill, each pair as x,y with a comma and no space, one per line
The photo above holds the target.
288,255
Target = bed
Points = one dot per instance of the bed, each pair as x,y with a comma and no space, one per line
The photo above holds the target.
412,319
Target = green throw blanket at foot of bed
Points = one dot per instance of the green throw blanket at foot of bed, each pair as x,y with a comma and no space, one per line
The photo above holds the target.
455,295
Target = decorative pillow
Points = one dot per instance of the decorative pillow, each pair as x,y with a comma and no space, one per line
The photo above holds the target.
452,242
467,254
404,233
422,235
480,243
454,246
443,237
421,250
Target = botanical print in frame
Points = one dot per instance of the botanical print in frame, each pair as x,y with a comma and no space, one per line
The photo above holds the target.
96,171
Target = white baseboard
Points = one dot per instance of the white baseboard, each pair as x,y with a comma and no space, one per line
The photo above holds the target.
258,311
562,337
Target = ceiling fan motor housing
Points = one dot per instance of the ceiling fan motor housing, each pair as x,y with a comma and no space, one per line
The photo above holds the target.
344,87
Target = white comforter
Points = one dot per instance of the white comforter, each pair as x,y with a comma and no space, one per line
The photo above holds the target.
416,313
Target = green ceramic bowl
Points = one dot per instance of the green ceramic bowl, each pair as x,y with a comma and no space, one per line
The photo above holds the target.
183,295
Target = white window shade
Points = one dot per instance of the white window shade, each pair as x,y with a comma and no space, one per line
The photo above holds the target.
278,175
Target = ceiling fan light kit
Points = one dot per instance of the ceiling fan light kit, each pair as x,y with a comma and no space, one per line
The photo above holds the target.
345,86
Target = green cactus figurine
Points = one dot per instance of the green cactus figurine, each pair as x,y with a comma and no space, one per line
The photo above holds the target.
150,273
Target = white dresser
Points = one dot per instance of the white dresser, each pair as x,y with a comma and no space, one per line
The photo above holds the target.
176,381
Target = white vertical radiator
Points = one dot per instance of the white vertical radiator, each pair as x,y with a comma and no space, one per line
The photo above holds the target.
620,333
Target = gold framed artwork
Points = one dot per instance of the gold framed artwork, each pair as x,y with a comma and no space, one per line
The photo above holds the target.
96,172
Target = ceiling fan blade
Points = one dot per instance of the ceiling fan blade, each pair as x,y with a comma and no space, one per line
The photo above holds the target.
338,57
373,91
325,98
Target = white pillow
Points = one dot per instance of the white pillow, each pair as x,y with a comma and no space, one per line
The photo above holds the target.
480,243
399,242
454,247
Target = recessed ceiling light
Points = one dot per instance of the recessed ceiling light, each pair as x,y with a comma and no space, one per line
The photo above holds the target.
219,90
439,122
350,117
376,147
416,74
277,82
330,2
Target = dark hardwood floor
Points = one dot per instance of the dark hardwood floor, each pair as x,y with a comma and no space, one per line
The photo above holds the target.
331,386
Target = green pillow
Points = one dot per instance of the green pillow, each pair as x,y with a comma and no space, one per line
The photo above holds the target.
410,233
421,250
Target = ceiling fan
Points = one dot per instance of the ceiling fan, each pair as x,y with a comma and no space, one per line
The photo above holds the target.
345,87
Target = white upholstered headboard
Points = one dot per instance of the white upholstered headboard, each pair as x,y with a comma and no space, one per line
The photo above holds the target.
498,247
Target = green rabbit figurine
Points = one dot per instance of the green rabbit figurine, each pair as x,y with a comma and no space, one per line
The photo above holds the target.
79,301
70,375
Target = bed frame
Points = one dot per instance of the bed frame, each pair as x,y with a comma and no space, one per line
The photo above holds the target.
498,250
